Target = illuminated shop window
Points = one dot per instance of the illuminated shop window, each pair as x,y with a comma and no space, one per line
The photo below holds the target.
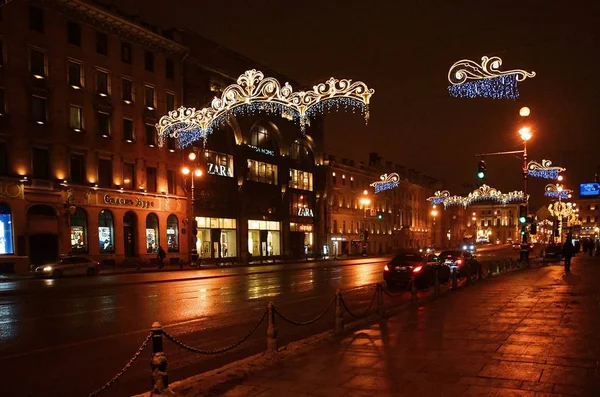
6,234
106,232
262,172
301,180
152,236
172,234
79,240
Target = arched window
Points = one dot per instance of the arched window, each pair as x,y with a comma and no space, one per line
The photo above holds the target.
301,152
79,240
6,234
172,234
263,139
152,236
106,232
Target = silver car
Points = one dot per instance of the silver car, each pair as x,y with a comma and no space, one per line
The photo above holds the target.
70,265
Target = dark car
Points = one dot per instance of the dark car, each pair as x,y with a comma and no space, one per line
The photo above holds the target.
408,264
460,260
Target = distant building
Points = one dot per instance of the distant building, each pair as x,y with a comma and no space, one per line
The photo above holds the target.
589,216
493,223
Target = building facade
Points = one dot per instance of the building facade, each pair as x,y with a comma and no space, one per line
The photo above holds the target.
589,216
80,169
492,223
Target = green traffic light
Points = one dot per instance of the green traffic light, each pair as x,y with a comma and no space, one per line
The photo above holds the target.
522,219
379,216
480,175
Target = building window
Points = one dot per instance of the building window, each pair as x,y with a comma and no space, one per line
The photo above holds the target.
6,233
149,61
127,90
126,54
77,169
41,163
101,43
301,180
74,33
36,19
37,63
102,82
38,109
105,173
103,124
264,238
150,135
171,182
3,159
261,138
172,234
2,102
171,143
149,97
106,232
152,236
220,164
79,243
129,175
75,118
299,151
170,69
128,130
151,179
300,205
262,172
215,233
75,75
170,101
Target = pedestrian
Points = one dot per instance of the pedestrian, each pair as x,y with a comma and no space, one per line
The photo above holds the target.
567,251
161,257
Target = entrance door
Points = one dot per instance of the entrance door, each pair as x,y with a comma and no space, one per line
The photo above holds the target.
43,248
129,226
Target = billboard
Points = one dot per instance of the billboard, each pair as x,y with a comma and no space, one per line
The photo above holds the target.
589,190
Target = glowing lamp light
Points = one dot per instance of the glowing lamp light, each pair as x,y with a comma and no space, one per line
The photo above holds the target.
525,133
185,170
524,111
434,213
192,156
198,173
38,76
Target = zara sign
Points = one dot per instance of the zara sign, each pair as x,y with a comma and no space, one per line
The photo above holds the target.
220,170
305,212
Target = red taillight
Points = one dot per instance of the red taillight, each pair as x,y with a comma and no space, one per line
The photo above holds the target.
417,269
386,268
459,261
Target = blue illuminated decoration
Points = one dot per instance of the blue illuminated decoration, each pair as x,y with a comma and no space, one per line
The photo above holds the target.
483,193
544,170
386,182
556,191
471,80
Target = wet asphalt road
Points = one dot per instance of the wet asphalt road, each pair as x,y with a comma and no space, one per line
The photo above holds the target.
68,337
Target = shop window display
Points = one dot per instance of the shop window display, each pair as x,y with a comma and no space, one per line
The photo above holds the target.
152,237
6,234
79,232
106,232
172,234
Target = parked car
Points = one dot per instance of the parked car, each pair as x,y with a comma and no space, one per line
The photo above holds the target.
468,247
408,264
516,246
460,260
69,265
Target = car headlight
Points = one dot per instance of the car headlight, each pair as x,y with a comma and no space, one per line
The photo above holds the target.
47,268
472,247
465,247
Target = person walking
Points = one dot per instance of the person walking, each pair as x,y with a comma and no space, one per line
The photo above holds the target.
161,257
567,251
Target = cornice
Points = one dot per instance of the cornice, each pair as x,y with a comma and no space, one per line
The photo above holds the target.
112,23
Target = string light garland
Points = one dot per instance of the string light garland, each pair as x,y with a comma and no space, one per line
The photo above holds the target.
544,170
556,191
483,193
386,182
253,94
469,79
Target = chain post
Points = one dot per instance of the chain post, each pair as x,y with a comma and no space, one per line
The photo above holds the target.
454,281
380,301
271,329
339,314
489,269
158,362
413,290
468,273
437,281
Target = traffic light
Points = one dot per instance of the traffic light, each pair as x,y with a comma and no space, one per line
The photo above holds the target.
522,214
533,228
482,170
379,216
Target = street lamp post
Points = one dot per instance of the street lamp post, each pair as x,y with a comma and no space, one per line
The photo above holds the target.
525,133
434,214
196,173
365,202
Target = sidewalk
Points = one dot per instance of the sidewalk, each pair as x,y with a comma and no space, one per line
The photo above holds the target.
529,333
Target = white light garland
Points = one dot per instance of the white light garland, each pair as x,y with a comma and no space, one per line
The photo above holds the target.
386,182
483,193
544,170
255,93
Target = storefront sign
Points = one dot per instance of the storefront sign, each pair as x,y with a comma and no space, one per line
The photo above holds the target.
305,228
220,170
130,202
262,150
305,212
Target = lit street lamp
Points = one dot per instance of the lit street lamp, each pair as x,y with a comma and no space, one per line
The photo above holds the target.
434,214
196,173
526,134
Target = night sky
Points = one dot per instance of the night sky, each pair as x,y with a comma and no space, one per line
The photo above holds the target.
403,49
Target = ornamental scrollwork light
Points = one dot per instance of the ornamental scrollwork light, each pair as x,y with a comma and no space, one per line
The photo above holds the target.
483,193
386,182
544,170
557,191
254,93
469,79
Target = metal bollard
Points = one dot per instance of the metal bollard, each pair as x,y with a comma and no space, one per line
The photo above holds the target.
158,362
454,276
271,329
498,267
339,314
413,291
436,281
489,271
380,302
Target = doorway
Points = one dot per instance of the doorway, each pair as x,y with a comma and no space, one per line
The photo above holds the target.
129,229
43,248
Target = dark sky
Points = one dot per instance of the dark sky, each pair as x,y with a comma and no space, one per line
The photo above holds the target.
403,49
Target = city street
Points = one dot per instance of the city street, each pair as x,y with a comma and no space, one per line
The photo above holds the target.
54,332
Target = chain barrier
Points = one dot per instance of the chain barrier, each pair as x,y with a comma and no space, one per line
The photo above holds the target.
366,311
391,295
125,368
216,351
315,319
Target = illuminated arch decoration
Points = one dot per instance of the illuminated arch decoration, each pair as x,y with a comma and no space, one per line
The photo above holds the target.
254,93
544,170
470,79
386,182
483,193
552,190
